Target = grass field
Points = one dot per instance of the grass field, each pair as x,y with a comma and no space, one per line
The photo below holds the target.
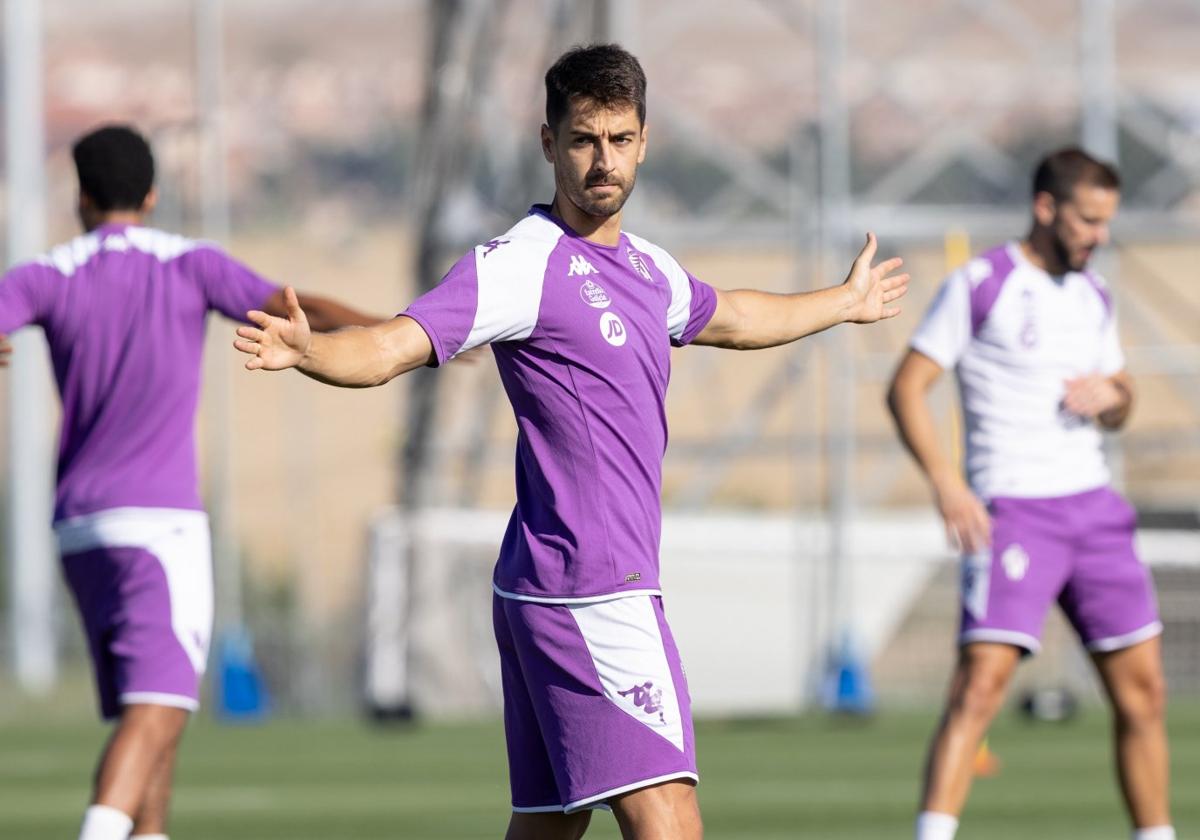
808,777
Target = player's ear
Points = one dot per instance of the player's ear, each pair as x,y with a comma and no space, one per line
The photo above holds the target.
547,143
642,150
150,201
1044,209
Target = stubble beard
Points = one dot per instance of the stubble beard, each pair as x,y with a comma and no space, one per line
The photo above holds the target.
602,208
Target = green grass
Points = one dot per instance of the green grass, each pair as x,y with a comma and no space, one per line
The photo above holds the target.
773,779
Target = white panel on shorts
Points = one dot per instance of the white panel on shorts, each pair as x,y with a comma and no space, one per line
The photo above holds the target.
509,283
180,541
627,650
977,582
680,309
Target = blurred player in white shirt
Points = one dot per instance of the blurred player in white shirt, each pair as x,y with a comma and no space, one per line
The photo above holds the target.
1031,335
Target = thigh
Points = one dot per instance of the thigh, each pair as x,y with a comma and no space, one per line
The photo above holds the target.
1109,597
1008,588
609,695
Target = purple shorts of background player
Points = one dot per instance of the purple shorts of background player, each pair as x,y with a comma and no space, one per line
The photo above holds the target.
1077,550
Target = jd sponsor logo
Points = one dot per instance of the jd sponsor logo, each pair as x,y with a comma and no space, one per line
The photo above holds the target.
593,295
580,267
612,329
1015,562
647,698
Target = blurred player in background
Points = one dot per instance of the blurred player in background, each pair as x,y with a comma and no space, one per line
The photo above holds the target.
581,317
1031,335
124,309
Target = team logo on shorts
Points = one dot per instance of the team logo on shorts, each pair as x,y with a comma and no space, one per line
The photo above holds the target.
639,265
1015,562
612,329
593,295
647,698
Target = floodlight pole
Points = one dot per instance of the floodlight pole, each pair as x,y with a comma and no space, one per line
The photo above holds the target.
29,541
214,225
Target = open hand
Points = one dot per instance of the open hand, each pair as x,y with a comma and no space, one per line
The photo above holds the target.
276,343
5,350
872,288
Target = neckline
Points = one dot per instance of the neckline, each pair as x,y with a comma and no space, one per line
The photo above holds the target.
1018,255
543,210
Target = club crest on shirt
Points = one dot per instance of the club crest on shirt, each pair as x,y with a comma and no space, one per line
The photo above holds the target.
613,329
1015,562
594,295
639,264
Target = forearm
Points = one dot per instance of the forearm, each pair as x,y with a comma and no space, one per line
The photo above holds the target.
1116,417
325,315
764,319
918,432
361,357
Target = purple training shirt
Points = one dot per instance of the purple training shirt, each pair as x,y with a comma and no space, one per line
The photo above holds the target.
123,309
582,334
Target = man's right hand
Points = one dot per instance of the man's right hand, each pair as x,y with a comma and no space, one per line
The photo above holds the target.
5,350
276,343
968,526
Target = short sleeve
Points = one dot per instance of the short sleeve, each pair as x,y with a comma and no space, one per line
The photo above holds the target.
945,329
692,306
1112,358
25,295
492,294
229,286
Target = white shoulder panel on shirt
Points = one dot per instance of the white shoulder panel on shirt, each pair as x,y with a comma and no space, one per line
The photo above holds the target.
510,272
71,256
680,309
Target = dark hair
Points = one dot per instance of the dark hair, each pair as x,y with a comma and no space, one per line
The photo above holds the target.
115,166
606,74
1060,172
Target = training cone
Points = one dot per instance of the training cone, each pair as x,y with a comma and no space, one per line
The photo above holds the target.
848,683
987,763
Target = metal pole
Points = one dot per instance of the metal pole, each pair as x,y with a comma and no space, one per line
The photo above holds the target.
834,155
1098,82
214,224
29,542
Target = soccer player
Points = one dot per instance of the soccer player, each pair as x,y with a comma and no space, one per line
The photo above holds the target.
581,316
124,308
1031,335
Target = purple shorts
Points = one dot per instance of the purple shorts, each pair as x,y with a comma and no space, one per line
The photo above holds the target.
145,603
1077,550
595,701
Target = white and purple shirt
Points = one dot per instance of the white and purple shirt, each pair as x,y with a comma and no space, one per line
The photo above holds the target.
123,308
582,334
1014,334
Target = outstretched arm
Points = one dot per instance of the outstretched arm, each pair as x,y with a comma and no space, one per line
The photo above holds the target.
746,319
323,313
353,357
967,524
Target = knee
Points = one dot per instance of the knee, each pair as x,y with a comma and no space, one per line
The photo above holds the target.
1143,701
980,694
160,725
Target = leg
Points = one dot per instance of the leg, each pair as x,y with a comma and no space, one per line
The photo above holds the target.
663,812
1133,679
132,765
548,826
152,818
976,693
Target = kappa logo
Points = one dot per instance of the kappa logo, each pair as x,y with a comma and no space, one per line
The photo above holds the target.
580,266
647,698
593,295
612,329
639,265
1015,562
492,245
